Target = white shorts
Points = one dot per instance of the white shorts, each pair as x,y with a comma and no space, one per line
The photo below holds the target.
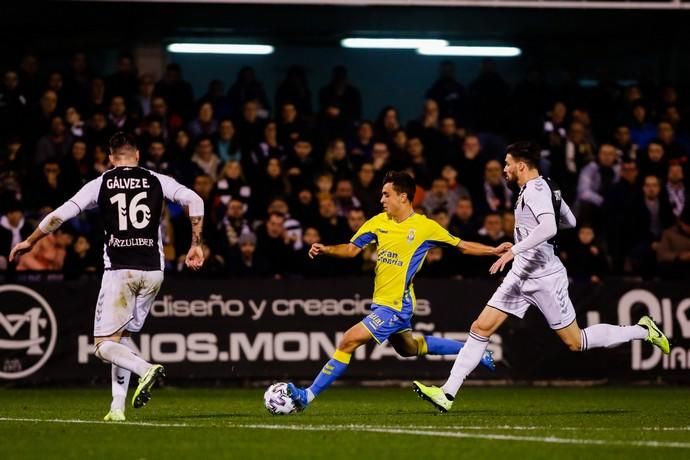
548,293
125,299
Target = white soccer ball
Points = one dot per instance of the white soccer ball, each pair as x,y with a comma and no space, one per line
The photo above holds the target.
277,400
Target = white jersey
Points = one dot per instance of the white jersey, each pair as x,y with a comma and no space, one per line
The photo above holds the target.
130,200
534,204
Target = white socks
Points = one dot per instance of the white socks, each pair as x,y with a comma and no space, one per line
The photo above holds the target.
120,379
120,385
599,335
608,335
122,356
468,358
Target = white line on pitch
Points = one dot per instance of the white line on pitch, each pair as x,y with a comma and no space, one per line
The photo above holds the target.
541,428
417,431
97,422
493,437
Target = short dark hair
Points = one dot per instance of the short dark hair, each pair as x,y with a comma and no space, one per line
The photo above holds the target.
203,138
12,204
526,151
278,198
121,140
365,163
303,138
277,214
402,183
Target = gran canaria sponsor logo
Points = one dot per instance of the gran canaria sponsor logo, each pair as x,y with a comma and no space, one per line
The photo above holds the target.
28,331
389,257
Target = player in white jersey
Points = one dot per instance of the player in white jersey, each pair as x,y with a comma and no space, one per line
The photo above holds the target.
131,200
537,278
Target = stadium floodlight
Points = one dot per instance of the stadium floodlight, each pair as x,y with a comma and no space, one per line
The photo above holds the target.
393,43
476,51
219,48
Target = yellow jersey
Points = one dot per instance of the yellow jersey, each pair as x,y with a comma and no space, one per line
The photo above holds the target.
401,249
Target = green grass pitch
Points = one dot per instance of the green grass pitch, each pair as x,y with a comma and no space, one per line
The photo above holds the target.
352,423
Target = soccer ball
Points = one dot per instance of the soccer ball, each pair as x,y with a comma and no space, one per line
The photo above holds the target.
277,400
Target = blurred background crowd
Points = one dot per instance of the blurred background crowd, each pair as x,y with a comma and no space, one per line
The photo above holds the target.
281,171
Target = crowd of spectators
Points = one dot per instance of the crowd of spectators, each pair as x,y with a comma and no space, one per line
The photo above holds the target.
278,174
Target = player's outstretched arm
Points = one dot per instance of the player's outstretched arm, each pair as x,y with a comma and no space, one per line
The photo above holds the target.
195,205
84,199
27,245
195,255
345,251
174,191
542,232
477,249
48,225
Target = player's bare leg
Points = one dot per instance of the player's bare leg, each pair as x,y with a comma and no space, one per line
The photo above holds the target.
408,344
489,320
109,349
355,337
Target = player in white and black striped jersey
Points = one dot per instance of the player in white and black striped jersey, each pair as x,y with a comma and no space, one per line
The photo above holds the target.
537,277
130,199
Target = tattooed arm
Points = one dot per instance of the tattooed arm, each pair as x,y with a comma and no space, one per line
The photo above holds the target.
197,228
174,191
195,255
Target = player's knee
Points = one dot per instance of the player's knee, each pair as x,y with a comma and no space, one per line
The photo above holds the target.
405,350
573,344
482,327
101,349
98,351
348,344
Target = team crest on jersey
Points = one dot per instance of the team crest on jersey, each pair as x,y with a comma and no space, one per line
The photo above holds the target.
410,235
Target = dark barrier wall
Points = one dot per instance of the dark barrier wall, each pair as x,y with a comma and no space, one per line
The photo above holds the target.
258,329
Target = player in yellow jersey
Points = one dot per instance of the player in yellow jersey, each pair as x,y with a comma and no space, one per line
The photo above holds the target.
403,238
